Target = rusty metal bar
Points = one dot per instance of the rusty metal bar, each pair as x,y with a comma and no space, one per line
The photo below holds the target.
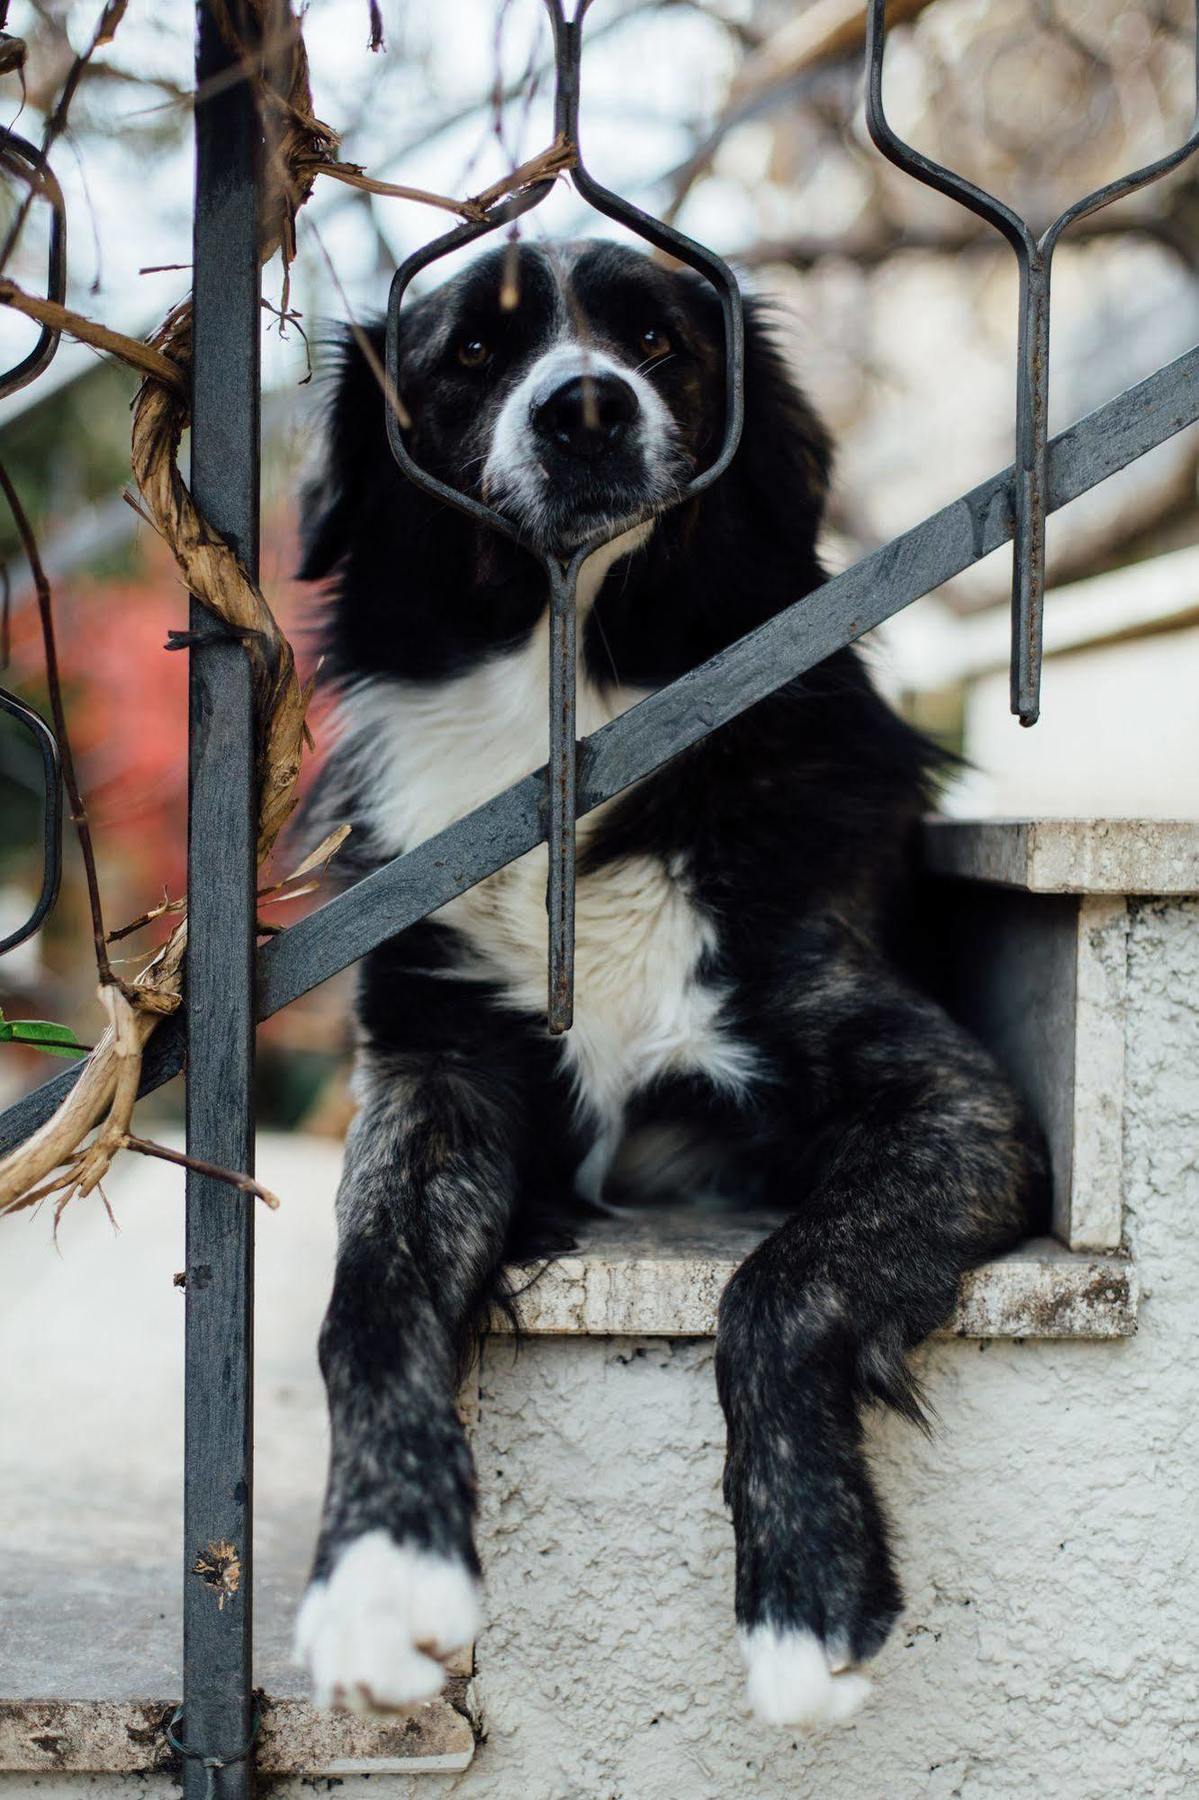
562,575
560,886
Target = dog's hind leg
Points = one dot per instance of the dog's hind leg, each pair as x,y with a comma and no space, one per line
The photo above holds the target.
923,1165
424,1206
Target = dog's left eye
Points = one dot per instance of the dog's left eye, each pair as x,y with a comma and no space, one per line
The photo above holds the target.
655,342
473,353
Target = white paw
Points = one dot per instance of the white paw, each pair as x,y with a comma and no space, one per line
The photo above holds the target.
372,1633
792,1680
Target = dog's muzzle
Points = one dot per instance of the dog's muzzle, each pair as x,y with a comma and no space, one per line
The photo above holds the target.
581,440
587,416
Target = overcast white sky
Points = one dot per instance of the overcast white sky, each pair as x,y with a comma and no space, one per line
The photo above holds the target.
647,82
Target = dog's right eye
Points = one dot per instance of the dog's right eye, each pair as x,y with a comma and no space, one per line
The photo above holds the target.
473,353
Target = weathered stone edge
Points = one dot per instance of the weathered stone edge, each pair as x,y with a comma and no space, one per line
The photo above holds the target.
126,1737
1068,856
1042,1293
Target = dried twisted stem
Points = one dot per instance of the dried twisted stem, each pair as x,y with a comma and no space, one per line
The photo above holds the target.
141,356
58,1160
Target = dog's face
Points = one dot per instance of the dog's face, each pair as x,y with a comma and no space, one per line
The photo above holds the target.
571,389
575,390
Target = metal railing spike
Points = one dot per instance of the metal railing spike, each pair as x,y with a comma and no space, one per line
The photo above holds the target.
1034,259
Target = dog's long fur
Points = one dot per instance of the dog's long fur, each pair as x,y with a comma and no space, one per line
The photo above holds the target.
743,1025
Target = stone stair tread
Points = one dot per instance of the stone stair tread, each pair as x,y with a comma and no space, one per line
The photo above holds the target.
662,1274
1068,856
126,1737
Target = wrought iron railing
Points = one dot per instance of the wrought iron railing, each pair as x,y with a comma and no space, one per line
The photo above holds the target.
230,986
1034,260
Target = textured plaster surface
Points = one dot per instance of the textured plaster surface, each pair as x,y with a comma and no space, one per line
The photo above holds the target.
1100,1031
1048,1645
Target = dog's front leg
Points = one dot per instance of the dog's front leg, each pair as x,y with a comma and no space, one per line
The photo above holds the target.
918,1163
424,1204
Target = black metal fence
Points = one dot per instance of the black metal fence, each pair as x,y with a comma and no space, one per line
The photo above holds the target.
231,985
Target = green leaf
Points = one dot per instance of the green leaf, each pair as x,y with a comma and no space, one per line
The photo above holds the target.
42,1034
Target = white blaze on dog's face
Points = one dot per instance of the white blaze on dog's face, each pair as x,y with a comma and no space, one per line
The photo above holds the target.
583,404
582,440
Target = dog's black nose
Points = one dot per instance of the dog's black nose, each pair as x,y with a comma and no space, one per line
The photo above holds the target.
587,415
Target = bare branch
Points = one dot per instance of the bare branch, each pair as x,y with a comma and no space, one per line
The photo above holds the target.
79,818
245,1183
101,337
869,249
105,30
826,32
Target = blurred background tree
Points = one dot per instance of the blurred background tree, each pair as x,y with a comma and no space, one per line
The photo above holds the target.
742,120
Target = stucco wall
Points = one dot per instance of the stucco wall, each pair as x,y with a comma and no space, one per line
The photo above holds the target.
1049,1643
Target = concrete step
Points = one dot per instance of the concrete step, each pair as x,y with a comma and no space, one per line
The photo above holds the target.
662,1274
91,1341
1068,856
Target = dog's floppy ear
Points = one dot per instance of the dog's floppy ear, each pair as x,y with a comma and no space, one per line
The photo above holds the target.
355,450
784,459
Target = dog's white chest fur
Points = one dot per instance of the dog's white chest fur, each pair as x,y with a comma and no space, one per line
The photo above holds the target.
642,1007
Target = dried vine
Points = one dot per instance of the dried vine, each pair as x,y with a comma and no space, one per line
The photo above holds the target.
61,1159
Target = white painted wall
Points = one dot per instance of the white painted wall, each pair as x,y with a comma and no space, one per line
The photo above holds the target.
1118,737
1049,1644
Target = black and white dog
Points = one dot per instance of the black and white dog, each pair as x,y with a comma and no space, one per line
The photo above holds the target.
742,1025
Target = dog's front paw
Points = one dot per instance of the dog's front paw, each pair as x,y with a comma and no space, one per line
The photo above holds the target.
373,1632
792,1678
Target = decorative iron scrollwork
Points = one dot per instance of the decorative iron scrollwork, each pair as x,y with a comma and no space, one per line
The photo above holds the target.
1034,259
562,574
25,163
47,744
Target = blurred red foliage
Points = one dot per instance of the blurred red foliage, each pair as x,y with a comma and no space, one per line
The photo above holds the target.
126,701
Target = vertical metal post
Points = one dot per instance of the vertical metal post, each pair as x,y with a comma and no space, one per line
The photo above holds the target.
218,1484
1032,442
560,889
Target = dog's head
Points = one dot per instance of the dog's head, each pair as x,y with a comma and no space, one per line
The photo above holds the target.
571,389
574,389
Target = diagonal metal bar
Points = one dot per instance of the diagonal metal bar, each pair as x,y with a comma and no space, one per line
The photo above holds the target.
641,740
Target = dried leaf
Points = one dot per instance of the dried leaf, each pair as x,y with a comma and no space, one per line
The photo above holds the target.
323,855
110,18
219,1567
276,897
